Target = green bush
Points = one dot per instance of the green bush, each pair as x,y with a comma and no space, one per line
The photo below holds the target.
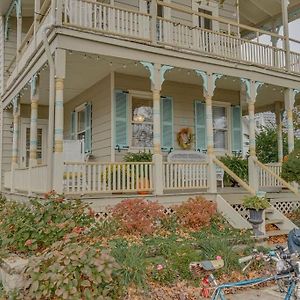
72,271
291,167
236,164
138,156
266,144
37,225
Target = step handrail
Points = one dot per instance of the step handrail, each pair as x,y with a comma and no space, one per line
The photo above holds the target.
281,180
234,176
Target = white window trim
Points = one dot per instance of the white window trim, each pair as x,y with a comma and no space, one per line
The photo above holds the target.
78,109
213,7
133,94
227,106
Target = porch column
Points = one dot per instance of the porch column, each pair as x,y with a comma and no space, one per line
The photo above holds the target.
58,164
37,8
33,121
157,73
16,125
285,23
251,94
209,86
289,100
279,131
19,25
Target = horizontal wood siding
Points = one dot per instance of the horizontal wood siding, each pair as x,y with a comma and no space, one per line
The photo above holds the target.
100,97
128,4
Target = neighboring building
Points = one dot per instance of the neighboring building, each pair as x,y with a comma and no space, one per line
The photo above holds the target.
84,82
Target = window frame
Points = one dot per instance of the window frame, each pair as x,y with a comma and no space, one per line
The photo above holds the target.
136,94
212,7
81,108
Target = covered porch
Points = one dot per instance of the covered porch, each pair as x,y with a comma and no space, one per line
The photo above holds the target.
76,143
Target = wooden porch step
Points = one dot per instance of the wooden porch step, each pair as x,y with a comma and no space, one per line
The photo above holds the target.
269,210
277,233
274,221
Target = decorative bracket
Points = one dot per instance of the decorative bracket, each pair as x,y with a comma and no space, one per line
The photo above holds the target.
33,83
155,71
209,81
16,106
15,4
251,88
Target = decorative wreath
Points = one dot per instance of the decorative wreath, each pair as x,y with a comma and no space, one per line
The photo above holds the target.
185,138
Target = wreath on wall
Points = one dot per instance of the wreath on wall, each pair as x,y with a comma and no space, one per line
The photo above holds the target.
185,138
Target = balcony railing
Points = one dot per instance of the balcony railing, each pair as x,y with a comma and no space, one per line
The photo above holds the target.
233,41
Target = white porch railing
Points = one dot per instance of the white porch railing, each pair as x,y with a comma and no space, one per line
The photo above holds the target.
185,175
220,44
106,18
108,177
38,179
28,180
266,179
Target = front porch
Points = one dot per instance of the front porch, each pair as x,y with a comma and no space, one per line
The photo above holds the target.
99,103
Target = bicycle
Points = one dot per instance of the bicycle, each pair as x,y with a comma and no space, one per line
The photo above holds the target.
287,273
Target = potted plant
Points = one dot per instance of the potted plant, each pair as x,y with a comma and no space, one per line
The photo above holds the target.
256,206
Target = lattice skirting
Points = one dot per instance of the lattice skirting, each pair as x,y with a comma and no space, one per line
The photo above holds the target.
284,207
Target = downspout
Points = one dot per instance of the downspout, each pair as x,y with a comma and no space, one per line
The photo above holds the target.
51,102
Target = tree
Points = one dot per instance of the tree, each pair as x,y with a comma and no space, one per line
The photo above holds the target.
267,144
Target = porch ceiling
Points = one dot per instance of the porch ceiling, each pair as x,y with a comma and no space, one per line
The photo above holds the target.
83,71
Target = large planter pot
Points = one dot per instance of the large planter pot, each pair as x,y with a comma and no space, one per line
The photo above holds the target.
143,186
256,218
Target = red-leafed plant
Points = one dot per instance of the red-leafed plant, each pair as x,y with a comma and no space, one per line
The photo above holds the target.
138,216
195,213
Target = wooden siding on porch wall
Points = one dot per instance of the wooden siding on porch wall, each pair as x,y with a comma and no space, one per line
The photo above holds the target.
183,96
99,95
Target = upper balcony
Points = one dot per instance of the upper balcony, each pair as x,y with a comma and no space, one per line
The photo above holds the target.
197,32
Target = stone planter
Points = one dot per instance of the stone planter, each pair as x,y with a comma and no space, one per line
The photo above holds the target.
12,273
256,219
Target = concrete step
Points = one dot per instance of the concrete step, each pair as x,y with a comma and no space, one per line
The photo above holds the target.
277,232
274,221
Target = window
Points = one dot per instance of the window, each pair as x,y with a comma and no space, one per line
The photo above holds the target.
82,124
142,122
220,127
205,22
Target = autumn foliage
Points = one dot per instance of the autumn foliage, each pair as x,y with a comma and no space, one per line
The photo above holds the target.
138,216
195,213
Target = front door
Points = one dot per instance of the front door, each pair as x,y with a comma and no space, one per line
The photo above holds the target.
42,128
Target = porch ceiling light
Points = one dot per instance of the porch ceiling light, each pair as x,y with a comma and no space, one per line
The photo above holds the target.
139,118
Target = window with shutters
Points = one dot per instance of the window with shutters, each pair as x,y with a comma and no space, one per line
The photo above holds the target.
142,122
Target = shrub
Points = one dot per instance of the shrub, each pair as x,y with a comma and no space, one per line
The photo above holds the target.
36,226
195,213
291,167
138,157
266,144
236,164
71,271
138,216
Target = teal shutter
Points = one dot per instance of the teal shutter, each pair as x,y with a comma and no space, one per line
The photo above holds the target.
236,129
200,126
121,122
73,125
88,129
166,112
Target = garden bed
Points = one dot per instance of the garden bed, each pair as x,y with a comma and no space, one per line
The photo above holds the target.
139,252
